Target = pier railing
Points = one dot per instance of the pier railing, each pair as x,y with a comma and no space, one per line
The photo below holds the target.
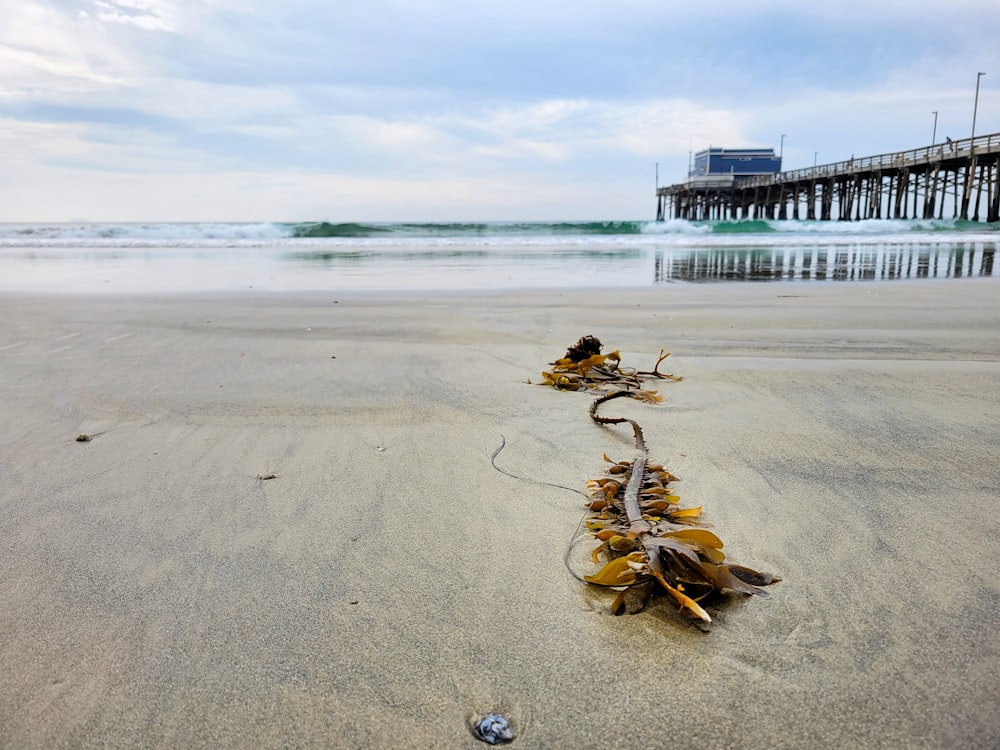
961,149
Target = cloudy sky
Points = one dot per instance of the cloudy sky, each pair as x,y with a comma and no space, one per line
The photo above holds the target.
438,110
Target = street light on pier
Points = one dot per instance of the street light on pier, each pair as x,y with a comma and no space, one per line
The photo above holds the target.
971,168
781,148
934,136
975,108
815,153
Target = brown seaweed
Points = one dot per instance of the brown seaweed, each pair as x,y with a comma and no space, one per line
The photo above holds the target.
586,347
647,542
645,535
584,368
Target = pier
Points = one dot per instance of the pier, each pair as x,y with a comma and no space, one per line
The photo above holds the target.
958,179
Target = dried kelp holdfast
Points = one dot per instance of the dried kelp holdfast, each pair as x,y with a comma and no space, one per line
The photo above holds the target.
646,537
584,368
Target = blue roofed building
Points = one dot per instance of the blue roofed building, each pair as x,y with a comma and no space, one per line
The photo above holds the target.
738,162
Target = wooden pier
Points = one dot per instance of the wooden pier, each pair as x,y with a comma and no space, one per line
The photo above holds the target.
960,179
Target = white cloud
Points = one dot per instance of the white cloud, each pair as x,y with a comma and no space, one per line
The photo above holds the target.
102,148
142,14
54,193
28,71
485,108
45,52
562,130
212,105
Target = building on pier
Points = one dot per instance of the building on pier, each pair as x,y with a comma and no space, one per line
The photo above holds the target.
960,179
740,162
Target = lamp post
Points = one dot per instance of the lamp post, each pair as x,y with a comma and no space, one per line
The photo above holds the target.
781,148
814,157
657,175
934,136
971,169
975,108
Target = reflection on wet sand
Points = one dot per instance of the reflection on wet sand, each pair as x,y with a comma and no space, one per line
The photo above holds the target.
827,263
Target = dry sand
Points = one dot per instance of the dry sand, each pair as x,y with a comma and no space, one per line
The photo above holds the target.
389,584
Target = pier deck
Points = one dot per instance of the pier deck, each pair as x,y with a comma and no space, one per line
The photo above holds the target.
955,177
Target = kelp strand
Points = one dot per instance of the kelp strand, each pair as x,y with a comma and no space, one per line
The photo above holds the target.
645,537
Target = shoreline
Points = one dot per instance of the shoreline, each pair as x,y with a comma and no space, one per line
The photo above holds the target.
622,263
656,290
388,584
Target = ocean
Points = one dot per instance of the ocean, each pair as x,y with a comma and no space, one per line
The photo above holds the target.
136,258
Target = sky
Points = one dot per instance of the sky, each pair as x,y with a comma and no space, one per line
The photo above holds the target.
458,110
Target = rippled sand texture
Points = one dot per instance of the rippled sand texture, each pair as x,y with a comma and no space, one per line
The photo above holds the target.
388,584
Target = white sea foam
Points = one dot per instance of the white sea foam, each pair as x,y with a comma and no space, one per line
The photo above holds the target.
500,236
138,258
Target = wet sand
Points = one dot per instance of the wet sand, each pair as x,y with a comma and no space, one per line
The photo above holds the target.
388,584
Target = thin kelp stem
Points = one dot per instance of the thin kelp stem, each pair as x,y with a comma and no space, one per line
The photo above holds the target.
493,461
640,441
655,372
576,532
631,499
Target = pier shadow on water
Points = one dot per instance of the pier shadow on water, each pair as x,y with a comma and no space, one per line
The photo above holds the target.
826,262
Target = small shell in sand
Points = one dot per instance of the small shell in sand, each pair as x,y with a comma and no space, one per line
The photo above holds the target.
493,728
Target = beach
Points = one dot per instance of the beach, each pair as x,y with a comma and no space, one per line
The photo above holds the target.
285,529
